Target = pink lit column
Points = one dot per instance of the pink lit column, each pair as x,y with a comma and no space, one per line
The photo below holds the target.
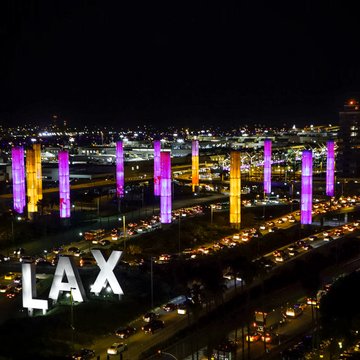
119,169
267,166
64,184
157,149
306,187
165,187
330,169
18,179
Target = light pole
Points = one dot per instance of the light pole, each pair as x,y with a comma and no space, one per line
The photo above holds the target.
160,352
124,230
152,282
72,316
180,213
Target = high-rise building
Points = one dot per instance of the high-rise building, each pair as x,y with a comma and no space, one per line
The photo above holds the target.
349,140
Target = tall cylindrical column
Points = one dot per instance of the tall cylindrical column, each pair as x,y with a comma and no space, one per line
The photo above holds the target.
267,166
235,189
31,182
120,181
157,170
18,179
165,187
306,187
330,169
64,184
195,164
38,170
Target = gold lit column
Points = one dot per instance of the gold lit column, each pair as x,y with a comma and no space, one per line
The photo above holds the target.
31,182
195,164
38,171
235,189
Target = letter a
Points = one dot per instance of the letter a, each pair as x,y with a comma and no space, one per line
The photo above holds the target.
66,266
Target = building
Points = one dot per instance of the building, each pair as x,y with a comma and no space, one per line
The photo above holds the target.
349,140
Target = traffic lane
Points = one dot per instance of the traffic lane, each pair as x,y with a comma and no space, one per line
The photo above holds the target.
140,342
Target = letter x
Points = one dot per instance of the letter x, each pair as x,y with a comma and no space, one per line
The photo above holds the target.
106,272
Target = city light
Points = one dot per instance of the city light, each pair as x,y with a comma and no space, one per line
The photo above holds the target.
235,189
31,183
165,188
195,165
157,170
306,187
64,184
267,166
18,179
330,169
119,169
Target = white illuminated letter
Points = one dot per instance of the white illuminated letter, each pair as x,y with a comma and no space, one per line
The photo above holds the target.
66,266
29,289
106,272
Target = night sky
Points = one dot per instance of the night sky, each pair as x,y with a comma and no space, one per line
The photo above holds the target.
196,64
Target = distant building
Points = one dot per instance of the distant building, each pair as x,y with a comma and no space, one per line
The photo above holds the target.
349,135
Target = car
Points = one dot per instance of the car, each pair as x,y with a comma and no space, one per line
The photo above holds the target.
9,276
293,252
4,258
125,332
73,249
307,247
26,259
148,317
11,293
182,309
253,337
116,348
169,307
19,251
313,237
104,242
152,326
17,279
328,238
83,354
3,288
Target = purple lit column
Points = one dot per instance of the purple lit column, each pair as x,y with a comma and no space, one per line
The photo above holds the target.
119,169
330,168
267,166
64,184
165,187
306,187
157,149
18,179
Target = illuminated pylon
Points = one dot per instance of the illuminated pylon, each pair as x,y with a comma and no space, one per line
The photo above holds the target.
64,184
31,183
119,170
306,187
235,189
165,188
267,166
330,169
195,164
18,179
157,170
38,170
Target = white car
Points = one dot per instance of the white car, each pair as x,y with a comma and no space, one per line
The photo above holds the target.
116,348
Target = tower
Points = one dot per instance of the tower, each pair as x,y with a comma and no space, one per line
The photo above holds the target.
235,189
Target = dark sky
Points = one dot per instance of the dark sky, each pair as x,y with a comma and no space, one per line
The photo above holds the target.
101,61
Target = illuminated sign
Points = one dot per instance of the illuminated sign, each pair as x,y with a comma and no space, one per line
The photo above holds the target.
66,269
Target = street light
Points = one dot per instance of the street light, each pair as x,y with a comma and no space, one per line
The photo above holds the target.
72,316
160,352
152,282
212,213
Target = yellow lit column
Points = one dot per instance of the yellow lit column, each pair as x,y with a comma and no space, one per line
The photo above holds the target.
195,165
31,183
38,171
235,189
